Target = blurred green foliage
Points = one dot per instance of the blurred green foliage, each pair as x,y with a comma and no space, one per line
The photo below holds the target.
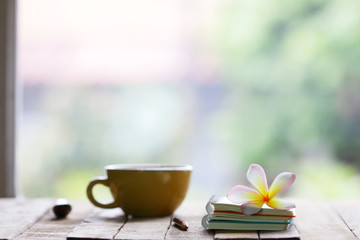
289,83
293,70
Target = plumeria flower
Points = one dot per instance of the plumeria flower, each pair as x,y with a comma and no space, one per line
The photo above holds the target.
252,200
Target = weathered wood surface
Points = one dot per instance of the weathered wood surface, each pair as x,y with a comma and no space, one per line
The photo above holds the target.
349,211
144,228
50,228
291,233
220,235
16,216
34,220
191,212
116,226
320,220
100,224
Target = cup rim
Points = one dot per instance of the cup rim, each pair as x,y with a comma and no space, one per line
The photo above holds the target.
148,167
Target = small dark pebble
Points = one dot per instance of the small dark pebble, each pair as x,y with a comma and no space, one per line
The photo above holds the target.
62,208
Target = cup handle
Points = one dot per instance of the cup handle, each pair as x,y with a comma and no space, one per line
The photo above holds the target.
93,182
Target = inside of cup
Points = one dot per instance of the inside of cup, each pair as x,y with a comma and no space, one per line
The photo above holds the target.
149,167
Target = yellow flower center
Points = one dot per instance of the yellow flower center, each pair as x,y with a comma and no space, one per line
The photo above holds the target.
266,199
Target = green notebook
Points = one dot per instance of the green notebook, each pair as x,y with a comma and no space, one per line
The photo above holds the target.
243,225
225,215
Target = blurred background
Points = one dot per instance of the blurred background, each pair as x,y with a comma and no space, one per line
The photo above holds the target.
212,83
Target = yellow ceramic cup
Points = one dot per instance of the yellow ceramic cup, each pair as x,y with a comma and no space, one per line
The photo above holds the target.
144,189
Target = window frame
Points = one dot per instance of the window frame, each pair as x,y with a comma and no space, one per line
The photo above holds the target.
8,97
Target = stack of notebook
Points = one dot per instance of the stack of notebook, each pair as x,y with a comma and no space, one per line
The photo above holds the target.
225,215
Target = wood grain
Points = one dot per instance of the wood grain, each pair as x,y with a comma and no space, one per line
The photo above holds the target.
246,235
100,224
192,212
349,210
34,220
319,220
290,233
144,228
19,215
50,228
195,230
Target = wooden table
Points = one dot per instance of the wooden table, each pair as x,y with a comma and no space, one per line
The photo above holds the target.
33,219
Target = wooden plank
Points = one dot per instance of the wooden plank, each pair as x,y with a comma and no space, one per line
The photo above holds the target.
192,212
195,230
319,220
50,228
8,203
349,211
101,224
17,216
32,219
246,235
291,233
144,228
